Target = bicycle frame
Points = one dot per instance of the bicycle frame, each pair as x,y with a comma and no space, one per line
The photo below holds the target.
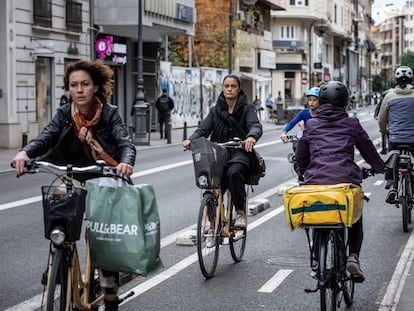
222,219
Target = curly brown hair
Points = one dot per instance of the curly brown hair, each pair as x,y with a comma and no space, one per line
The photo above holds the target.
100,73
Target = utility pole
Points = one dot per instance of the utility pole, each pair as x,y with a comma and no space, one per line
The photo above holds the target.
230,35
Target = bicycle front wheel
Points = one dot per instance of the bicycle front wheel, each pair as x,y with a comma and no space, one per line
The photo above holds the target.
237,240
57,282
328,266
207,256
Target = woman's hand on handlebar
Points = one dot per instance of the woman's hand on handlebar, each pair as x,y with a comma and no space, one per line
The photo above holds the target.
186,143
124,169
284,137
19,161
249,143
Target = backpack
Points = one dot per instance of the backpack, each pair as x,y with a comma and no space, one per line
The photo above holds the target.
164,104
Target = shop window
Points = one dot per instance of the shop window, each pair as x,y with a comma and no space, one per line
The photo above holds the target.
42,13
73,16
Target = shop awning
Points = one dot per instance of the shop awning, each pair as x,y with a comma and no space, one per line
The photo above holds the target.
254,77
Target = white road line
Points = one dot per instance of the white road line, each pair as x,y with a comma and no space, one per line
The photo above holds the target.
390,300
20,202
35,199
275,281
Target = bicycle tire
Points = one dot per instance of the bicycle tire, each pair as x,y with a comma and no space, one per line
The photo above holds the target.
56,293
347,283
328,265
404,202
207,257
237,240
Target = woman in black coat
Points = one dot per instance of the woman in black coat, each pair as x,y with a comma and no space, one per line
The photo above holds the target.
231,117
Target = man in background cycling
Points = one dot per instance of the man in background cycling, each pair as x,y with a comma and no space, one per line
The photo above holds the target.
305,114
325,155
396,117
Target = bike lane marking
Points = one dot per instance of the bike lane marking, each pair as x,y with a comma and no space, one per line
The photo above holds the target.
396,285
275,281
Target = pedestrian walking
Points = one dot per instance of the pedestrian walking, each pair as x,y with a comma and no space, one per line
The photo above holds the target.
164,105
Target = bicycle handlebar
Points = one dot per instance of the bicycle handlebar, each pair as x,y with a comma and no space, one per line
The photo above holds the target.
292,138
33,167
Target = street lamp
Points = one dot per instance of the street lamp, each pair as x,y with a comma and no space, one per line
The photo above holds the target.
140,107
230,35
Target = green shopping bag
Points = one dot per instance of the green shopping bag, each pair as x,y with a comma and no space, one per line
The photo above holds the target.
123,226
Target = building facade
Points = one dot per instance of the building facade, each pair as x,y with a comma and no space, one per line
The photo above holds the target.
41,37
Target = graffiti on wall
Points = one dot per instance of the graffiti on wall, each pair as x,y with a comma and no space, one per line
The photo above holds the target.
184,87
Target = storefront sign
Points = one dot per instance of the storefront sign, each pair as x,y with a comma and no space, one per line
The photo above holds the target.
267,59
106,48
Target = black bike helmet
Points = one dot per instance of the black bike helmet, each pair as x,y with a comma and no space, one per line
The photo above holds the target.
403,76
334,93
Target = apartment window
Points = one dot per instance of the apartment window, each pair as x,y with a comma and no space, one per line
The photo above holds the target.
287,32
73,16
42,13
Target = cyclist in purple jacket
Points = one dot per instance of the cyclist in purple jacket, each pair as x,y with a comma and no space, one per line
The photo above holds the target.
325,155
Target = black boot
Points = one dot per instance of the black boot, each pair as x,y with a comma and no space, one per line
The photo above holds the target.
111,305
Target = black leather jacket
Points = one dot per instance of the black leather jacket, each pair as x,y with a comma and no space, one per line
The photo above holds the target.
111,133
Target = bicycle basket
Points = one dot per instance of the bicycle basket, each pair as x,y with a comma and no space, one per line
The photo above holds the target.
63,208
209,160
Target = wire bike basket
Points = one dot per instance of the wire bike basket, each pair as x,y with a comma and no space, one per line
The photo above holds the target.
63,207
209,160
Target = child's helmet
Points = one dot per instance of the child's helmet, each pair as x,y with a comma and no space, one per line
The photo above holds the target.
314,91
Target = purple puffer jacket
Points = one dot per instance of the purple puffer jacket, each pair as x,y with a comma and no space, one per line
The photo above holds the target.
325,153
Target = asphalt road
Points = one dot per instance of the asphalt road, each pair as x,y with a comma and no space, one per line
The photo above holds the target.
273,273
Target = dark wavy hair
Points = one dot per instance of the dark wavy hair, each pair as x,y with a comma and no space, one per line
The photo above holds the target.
100,73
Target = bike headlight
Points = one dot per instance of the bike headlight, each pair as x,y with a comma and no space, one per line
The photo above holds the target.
57,235
203,181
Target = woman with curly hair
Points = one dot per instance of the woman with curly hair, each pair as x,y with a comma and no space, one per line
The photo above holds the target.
83,131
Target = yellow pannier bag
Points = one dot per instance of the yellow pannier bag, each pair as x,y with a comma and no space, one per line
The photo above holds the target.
323,205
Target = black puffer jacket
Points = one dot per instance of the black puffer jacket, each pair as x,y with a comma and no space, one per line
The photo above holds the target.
223,126
111,133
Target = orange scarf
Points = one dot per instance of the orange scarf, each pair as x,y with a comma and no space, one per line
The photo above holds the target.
85,130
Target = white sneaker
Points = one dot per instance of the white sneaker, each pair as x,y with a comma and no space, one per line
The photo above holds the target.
240,222
210,239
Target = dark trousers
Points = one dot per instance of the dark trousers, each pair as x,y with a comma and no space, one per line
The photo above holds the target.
355,237
233,179
164,120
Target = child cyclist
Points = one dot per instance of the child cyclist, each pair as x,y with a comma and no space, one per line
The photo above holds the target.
305,114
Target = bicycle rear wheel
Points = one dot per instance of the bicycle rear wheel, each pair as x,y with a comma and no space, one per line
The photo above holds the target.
405,201
57,283
328,266
348,291
237,240
207,256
